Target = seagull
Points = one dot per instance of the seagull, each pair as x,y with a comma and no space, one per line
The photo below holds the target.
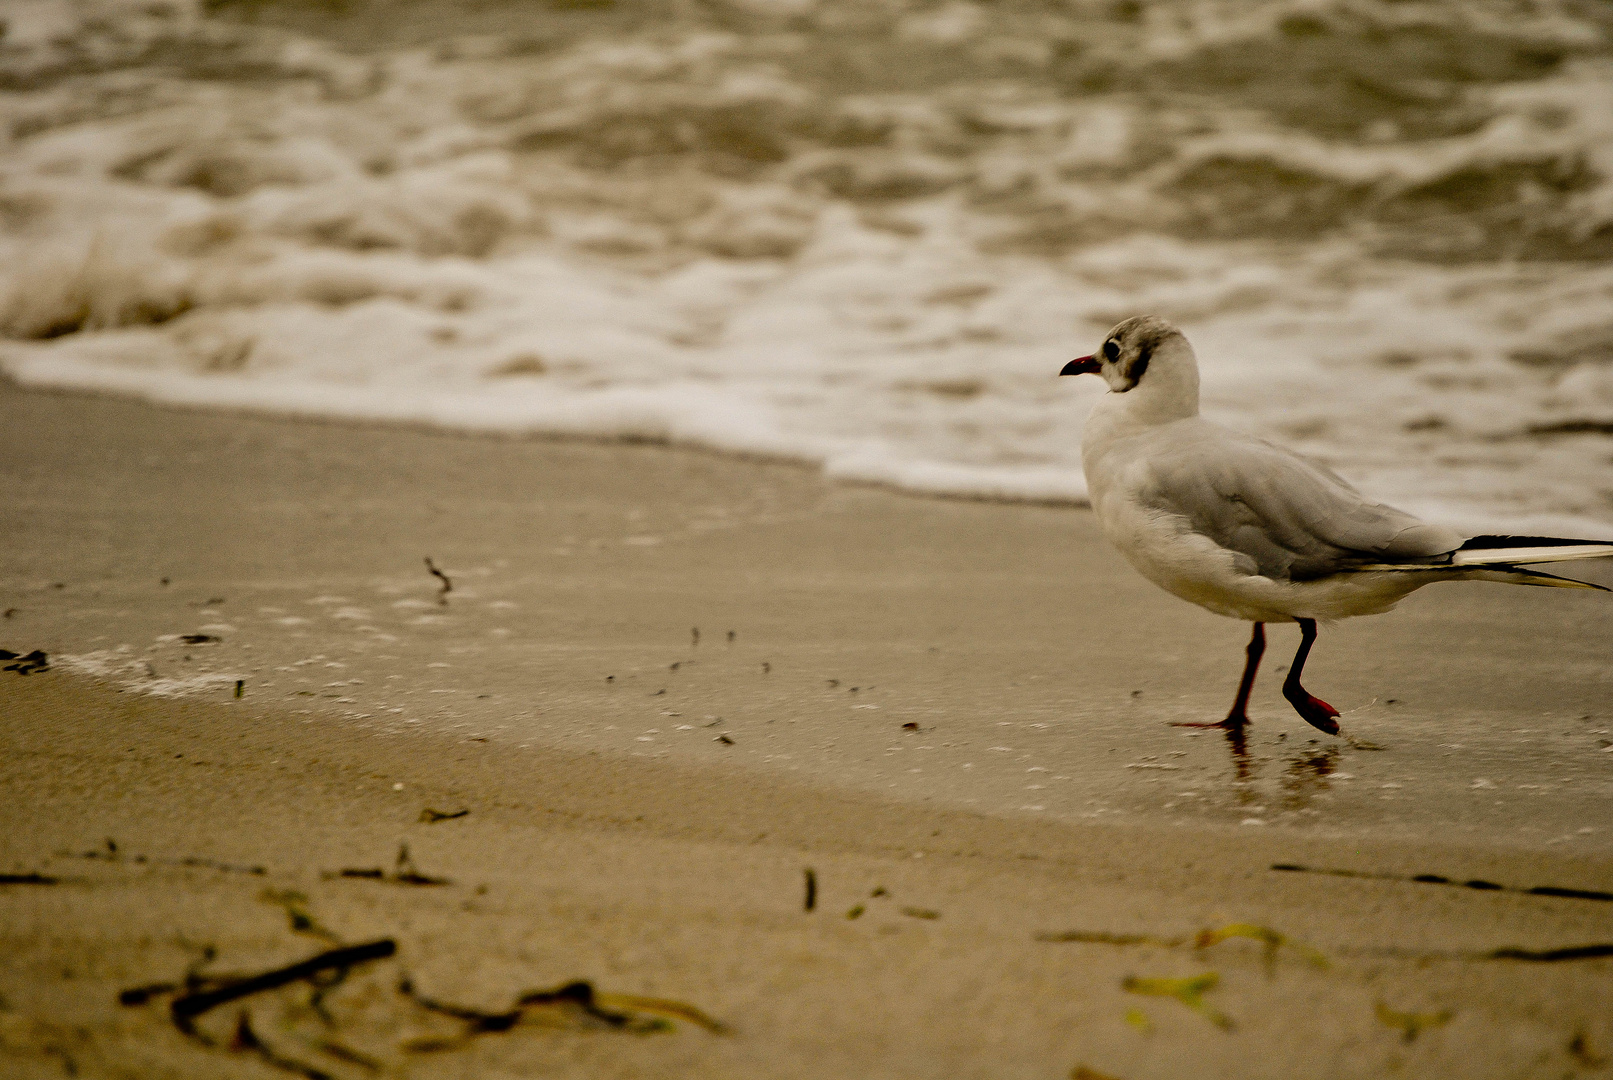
1250,530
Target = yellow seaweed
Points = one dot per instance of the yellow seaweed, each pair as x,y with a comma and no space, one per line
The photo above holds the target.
676,1010
1189,992
1411,1024
1270,938
295,905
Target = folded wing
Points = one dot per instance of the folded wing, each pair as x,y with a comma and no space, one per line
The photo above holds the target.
1283,517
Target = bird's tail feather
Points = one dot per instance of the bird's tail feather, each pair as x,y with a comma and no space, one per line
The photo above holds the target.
1502,558
1517,575
1514,550
1512,575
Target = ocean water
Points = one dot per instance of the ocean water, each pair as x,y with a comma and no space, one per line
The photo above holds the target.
854,233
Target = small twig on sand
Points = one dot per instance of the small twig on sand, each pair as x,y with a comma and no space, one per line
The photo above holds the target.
187,1008
447,586
406,873
811,890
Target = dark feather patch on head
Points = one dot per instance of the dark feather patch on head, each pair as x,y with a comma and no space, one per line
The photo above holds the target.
1139,364
1141,336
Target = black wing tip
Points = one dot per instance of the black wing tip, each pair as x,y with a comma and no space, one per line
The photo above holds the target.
1491,543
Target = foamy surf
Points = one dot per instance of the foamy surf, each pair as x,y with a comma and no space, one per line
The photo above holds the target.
863,240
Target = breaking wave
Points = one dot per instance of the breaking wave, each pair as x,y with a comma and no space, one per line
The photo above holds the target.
863,235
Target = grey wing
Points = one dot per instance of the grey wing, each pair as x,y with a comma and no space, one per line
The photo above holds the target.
1287,518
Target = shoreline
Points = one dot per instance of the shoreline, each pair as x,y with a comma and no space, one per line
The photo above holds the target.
1040,671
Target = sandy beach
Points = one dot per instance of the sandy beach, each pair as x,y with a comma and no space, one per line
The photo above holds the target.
664,685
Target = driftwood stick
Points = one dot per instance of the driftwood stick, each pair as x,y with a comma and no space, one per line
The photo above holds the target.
192,1005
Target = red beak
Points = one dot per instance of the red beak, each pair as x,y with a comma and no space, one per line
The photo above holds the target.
1082,365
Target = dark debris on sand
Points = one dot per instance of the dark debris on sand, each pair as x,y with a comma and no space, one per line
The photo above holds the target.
320,1026
27,664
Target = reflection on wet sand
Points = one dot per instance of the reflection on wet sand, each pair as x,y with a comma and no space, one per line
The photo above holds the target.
1304,778
1307,775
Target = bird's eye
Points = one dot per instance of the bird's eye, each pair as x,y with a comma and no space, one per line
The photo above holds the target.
1111,351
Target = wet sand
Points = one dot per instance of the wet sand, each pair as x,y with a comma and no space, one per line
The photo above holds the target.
644,801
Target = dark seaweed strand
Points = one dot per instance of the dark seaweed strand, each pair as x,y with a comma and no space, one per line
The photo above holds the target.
1571,894
1438,879
1574,952
478,1020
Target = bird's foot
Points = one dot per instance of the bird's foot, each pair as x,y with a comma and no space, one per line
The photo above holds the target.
1313,710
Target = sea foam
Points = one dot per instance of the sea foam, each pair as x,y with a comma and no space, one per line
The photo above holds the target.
864,240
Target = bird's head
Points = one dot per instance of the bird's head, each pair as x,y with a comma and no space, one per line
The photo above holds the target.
1124,358
1146,352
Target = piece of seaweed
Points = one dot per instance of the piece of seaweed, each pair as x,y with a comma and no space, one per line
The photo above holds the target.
1477,884
1189,991
295,905
38,660
1266,936
245,1039
1410,1024
447,586
1551,956
404,872
578,998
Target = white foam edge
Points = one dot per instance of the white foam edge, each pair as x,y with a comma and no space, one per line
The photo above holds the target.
134,674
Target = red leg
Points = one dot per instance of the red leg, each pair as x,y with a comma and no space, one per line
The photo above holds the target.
1315,712
1257,649
1239,716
